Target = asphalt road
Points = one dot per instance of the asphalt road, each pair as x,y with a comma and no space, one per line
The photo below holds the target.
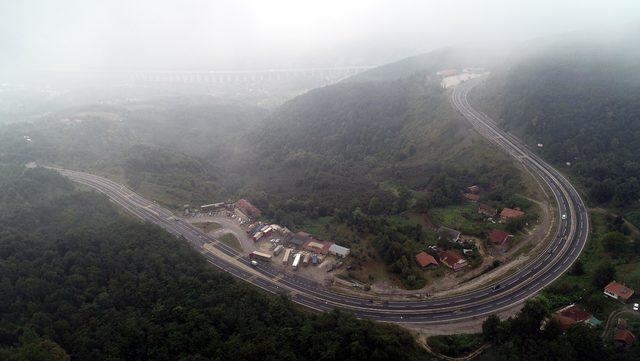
561,252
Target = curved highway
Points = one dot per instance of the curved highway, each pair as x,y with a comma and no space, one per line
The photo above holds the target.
562,251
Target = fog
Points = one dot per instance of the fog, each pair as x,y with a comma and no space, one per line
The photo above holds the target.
243,34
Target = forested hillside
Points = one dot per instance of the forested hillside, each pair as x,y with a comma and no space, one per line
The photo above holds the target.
579,97
80,280
338,147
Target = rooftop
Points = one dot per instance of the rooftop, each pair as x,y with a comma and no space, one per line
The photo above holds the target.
620,290
424,259
511,213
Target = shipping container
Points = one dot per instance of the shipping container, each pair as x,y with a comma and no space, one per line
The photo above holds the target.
257,236
314,259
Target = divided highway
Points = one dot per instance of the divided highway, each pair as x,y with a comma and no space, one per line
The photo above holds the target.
561,252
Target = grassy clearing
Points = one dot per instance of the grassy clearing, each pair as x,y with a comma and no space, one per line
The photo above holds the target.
464,218
633,217
207,227
230,240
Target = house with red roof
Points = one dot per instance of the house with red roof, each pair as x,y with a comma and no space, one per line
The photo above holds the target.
247,208
487,210
498,237
452,259
571,315
618,291
472,197
426,260
508,213
624,339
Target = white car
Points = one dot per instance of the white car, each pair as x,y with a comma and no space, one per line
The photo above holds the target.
564,216
254,263
636,306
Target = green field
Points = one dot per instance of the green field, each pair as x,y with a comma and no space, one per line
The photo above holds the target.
230,240
464,218
207,227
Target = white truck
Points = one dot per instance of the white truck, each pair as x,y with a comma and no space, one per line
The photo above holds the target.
285,258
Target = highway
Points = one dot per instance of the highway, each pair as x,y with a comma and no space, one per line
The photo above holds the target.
561,252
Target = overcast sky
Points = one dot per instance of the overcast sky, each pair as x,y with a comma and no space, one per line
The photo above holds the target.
241,34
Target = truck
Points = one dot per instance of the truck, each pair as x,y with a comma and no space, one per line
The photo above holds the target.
257,255
305,260
285,258
278,249
257,236
296,261
314,259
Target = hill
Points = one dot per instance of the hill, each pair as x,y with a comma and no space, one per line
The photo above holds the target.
578,96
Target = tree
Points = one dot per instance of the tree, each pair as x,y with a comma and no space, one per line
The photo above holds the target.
604,274
578,268
491,328
614,242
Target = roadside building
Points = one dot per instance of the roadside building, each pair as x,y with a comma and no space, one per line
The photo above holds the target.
317,246
339,251
426,260
498,237
247,208
487,210
452,259
472,197
449,232
447,72
618,291
624,339
572,314
212,206
474,189
508,213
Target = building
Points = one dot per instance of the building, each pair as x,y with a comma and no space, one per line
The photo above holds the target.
508,213
474,189
571,315
447,72
472,197
426,260
618,291
247,208
498,237
487,210
624,339
452,259
340,251
317,246
450,232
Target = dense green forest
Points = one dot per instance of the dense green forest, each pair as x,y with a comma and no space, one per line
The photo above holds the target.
580,99
80,280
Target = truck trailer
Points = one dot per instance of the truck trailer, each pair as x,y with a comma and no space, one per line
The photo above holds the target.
278,249
285,258
296,261
260,255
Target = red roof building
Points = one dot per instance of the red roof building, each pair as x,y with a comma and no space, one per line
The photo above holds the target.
571,315
498,237
618,291
487,210
317,246
624,339
474,189
508,213
426,260
452,260
471,197
247,208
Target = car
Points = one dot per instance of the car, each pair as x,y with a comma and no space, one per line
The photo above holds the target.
636,306
497,287
254,263
564,216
